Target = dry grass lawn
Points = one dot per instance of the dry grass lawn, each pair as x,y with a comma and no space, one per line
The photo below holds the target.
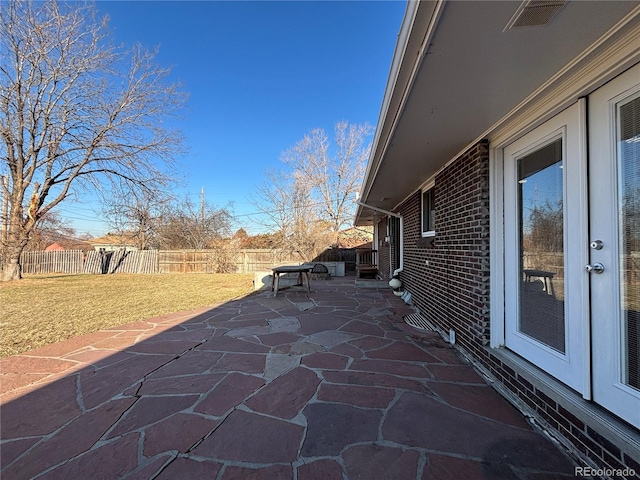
40,310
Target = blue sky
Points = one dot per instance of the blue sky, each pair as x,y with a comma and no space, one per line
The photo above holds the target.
260,76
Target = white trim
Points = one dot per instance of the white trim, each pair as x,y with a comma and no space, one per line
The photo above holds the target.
430,187
583,225
430,183
496,248
374,244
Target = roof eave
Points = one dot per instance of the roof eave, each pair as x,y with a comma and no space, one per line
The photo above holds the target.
415,32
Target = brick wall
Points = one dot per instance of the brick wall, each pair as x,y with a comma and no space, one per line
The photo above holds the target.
448,277
458,256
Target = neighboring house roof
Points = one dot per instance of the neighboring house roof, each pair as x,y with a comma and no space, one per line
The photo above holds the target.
459,73
355,237
69,245
115,240
79,245
54,247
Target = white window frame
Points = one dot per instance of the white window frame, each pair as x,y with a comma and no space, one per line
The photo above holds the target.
429,188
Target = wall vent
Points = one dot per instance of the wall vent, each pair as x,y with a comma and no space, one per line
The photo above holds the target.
418,321
535,13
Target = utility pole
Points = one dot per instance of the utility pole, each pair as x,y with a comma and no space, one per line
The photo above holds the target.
202,207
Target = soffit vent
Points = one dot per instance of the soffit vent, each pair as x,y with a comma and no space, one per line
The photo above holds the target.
535,13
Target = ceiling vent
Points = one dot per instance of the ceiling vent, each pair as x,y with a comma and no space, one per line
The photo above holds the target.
535,13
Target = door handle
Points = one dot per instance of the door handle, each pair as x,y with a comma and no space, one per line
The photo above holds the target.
595,268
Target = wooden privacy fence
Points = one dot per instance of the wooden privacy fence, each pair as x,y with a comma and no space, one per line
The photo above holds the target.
254,260
65,261
155,261
76,261
346,255
230,261
122,261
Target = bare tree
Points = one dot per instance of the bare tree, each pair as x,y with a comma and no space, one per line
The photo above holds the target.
546,228
137,214
264,241
287,207
75,112
310,200
187,225
52,228
332,173
272,202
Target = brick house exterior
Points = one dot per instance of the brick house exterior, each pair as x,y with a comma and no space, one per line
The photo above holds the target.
459,268
466,275
458,256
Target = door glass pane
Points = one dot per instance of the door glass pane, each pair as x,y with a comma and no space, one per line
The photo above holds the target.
541,227
629,235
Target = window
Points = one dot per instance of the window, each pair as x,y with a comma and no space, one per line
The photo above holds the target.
428,212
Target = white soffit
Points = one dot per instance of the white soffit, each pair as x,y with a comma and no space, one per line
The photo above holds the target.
473,73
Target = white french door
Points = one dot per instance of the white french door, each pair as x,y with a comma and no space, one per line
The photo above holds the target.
572,246
614,189
546,289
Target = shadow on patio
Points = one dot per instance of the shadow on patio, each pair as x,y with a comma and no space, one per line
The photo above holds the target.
326,385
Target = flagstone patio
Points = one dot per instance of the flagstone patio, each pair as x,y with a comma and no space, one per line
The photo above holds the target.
326,385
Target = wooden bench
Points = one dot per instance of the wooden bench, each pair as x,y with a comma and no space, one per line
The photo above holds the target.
367,271
366,265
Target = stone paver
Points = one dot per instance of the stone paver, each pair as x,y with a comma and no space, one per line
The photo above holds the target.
334,426
320,470
320,386
364,462
178,432
287,395
252,438
229,393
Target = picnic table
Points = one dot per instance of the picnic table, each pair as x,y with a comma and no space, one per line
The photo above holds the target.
299,269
